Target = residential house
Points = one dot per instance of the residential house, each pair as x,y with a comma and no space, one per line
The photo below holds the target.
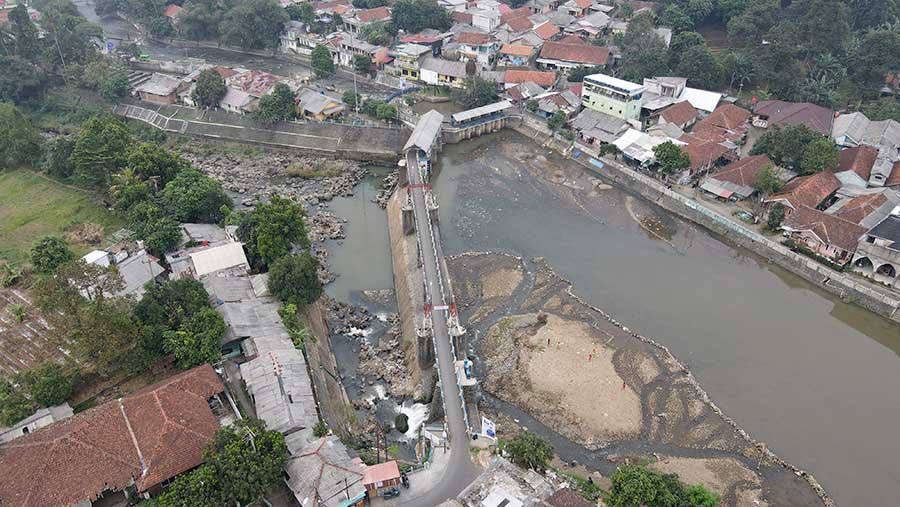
737,181
858,161
462,18
665,91
365,17
553,102
613,96
435,41
504,484
454,5
485,14
545,30
577,8
321,473
856,129
140,441
877,254
591,26
381,479
172,11
638,146
664,33
318,105
407,60
704,153
515,55
565,57
728,123
348,46
782,113
478,47
440,72
810,191
594,127
524,91
542,6
238,101
297,40
159,89
682,114
825,234
254,82
517,25
515,77
207,250
44,416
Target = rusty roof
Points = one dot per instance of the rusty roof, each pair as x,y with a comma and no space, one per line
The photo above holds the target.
808,190
542,78
577,53
780,112
381,472
743,172
146,437
859,207
376,14
546,30
830,229
680,113
859,159
519,24
473,38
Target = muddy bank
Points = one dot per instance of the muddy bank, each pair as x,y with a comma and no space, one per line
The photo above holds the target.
623,396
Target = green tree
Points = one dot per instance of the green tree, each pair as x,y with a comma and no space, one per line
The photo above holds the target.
200,487
821,154
199,21
322,62
699,496
671,158
532,105
413,16
277,106
578,74
767,182
872,13
529,451
682,42
637,486
101,150
71,34
644,53
151,162
302,12
21,81
701,68
476,92
14,405
351,98
48,384
56,157
99,331
362,63
194,197
785,146
209,90
160,27
48,253
294,279
401,422
248,459
885,109
168,307
116,86
557,121
270,229
159,231
674,16
24,34
320,429
20,142
776,216
254,24
877,55
197,340
386,112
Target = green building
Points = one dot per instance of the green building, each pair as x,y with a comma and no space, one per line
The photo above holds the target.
612,96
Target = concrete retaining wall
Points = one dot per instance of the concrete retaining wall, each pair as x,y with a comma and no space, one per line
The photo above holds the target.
366,143
334,403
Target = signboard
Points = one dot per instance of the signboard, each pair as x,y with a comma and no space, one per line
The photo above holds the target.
487,428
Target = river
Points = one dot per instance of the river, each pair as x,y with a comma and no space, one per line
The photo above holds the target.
814,378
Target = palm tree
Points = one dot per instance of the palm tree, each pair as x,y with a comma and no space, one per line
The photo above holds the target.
743,71
827,66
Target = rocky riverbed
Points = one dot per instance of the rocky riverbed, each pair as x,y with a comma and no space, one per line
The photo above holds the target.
584,376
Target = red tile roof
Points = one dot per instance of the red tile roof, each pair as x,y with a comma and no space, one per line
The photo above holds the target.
780,112
80,457
461,17
830,229
808,190
519,24
544,79
225,72
381,472
546,30
566,498
419,38
894,178
473,38
584,4
858,208
744,171
516,50
703,152
859,160
728,116
515,13
576,89
576,53
376,14
680,114
172,11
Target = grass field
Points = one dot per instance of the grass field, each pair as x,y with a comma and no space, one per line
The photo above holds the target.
32,206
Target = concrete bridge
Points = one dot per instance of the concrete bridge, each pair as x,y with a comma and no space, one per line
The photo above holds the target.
441,338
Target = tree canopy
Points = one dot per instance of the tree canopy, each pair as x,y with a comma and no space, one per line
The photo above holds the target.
197,339
209,90
20,142
529,451
254,24
638,486
671,158
48,253
785,146
269,231
476,92
294,279
195,197
168,307
322,63
413,16
277,106
101,150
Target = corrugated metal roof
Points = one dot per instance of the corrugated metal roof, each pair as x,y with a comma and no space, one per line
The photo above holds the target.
481,111
427,130
220,257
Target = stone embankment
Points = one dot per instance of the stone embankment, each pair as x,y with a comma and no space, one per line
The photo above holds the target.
845,285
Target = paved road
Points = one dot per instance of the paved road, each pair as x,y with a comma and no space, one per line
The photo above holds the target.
460,470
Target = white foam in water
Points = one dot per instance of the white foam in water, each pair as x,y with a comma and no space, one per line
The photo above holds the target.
380,393
382,316
417,414
355,331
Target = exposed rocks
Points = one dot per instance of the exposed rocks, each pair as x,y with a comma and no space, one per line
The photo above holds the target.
387,188
345,318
